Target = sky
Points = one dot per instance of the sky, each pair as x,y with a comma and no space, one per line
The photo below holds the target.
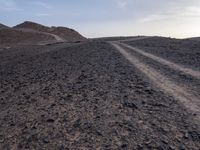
101,18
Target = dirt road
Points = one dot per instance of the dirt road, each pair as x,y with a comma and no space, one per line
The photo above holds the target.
177,91
172,65
89,96
56,37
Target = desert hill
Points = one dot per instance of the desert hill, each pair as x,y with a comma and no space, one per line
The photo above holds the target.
65,33
12,37
33,33
2,26
32,26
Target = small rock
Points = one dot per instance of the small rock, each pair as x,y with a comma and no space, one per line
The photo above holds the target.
99,132
52,105
186,135
77,123
140,147
27,97
124,146
45,140
172,147
165,141
165,130
182,147
33,128
1,140
69,96
194,114
97,117
195,136
61,147
148,91
50,120
147,142
12,124
130,105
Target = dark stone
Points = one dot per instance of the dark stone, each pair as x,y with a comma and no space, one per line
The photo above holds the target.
124,146
140,147
186,135
12,124
130,105
97,117
45,140
1,139
52,105
99,133
27,96
172,148
50,120
182,147
77,123
194,135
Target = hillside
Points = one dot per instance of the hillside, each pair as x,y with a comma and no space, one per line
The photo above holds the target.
67,34
29,33
2,26
32,26
12,37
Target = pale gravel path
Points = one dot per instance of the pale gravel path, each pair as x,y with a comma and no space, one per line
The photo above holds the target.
190,101
56,37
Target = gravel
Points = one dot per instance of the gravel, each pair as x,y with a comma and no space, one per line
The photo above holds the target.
86,96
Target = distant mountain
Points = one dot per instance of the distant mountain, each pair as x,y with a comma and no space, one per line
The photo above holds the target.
34,33
2,26
64,33
32,26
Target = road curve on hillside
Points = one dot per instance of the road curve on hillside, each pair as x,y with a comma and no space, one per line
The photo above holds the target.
56,37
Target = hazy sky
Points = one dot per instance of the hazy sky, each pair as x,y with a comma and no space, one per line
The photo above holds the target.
95,18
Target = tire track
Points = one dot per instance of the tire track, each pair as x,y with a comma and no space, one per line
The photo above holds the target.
172,65
56,37
190,101
184,80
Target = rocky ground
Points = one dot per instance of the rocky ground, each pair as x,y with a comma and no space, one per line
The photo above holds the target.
88,96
